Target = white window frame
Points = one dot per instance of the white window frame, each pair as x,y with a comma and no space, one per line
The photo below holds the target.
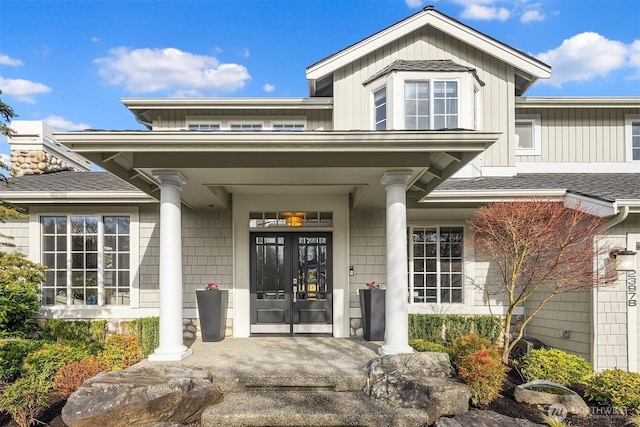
431,101
372,96
35,254
267,124
467,100
536,128
466,295
629,121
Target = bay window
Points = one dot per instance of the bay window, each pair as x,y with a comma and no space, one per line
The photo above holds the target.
431,104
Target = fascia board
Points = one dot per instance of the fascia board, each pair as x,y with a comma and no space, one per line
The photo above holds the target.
590,205
48,197
392,141
320,103
429,17
578,102
486,196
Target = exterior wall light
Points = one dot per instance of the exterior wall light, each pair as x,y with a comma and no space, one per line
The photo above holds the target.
625,259
293,219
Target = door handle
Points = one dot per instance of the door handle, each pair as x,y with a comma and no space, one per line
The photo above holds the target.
295,293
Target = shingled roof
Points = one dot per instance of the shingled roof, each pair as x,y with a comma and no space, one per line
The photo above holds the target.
421,65
607,187
68,181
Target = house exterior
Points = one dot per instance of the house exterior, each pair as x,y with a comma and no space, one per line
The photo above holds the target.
294,204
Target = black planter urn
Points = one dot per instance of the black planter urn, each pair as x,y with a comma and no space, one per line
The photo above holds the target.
372,307
212,309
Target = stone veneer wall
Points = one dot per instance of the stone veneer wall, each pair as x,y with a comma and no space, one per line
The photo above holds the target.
32,162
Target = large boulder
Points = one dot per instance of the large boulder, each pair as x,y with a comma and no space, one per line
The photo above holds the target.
483,419
418,380
141,395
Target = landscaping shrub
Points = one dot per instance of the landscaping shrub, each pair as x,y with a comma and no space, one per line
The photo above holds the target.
12,355
121,351
422,345
466,345
72,375
456,326
483,371
19,287
488,327
75,330
426,327
616,388
555,365
147,333
45,362
23,398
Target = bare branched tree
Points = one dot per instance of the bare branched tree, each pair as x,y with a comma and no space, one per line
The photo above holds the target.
540,248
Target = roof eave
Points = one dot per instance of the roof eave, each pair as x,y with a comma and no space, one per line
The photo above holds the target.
70,197
578,102
429,16
323,103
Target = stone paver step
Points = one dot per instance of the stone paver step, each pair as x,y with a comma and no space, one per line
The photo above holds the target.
308,408
353,382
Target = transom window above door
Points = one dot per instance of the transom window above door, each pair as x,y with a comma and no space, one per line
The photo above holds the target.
290,219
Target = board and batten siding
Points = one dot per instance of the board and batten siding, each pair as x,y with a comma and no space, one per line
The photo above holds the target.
580,135
176,119
353,108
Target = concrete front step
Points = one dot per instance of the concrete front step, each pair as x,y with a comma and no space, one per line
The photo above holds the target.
308,408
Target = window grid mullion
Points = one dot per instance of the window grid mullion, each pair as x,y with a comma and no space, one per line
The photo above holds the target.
101,296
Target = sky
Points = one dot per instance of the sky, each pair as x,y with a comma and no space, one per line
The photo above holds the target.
69,62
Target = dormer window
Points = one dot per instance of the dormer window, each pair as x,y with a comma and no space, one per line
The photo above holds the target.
425,95
430,104
380,108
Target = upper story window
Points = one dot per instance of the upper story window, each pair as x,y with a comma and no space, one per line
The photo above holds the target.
245,127
204,127
249,124
632,137
380,108
431,104
528,135
288,127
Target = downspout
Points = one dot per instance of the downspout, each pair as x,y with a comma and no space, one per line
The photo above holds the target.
621,216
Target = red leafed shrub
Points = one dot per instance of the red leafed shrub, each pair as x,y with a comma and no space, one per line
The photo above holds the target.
484,373
71,376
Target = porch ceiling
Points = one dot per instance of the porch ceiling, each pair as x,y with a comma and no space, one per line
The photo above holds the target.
219,164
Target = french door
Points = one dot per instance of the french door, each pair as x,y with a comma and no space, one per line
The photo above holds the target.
291,283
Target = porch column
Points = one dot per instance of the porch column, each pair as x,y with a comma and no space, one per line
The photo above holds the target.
170,274
397,294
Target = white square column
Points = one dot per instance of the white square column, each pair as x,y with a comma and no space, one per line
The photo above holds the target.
397,294
171,347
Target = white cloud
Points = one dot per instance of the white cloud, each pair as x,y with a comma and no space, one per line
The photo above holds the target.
414,3
169,69
60,123
532,15
244,52
95,39
6,60
584,57
634,58
268,87
23,90
485,13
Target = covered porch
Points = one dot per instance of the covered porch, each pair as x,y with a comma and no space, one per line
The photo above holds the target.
248,172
